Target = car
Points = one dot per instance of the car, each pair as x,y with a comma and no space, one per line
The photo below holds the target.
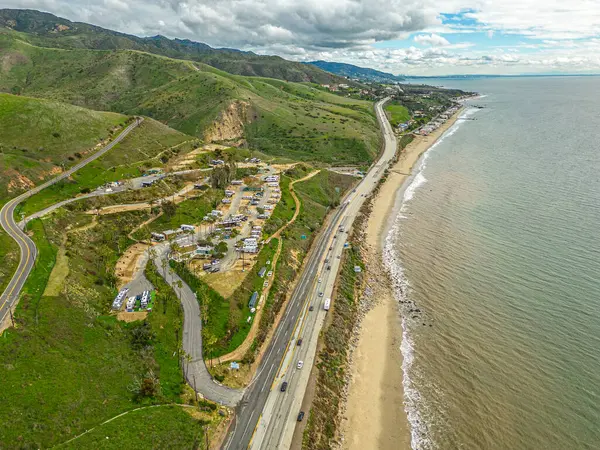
320,294
330,248
328,267
311,308
300,416
299,342
326,260
284,386
270,274
300,364
338,256
320,280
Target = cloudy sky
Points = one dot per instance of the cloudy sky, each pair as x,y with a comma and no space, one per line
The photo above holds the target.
416,37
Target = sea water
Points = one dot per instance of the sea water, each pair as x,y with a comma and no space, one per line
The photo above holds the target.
495,256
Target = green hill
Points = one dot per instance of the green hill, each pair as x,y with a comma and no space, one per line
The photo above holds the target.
47,30
39,137
291,120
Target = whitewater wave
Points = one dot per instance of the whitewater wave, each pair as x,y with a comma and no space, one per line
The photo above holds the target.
414,403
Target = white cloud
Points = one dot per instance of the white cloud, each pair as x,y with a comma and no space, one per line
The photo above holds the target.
345,30
434,40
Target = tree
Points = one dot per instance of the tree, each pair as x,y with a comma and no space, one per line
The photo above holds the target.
169,208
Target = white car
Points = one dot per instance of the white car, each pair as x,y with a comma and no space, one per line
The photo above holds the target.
320,280
300,364
320,294
270,274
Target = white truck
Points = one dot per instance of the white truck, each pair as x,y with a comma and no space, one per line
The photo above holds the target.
327,304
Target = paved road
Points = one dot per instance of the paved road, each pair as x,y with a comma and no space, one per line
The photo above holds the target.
196,372
28,250
266,417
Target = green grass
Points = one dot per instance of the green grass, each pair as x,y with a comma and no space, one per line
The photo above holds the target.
140,150
9,258
157,427
67,366
38,136
398,113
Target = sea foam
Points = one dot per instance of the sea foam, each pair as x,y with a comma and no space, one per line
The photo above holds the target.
414,403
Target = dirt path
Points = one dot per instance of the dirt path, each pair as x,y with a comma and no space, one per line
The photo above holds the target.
298,205
239,352
114,209
129,263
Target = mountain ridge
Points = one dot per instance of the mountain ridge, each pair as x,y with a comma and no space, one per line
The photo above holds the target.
48,30
357,72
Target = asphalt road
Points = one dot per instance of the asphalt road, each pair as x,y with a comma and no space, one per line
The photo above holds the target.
195,369
265,418
27,248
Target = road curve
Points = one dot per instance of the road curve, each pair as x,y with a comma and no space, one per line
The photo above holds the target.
195,368
26,246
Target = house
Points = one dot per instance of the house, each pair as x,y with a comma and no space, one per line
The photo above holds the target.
229,193
158,237
262,272
237,182
271,178
130,304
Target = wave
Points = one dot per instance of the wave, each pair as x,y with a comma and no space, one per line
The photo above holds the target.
414,403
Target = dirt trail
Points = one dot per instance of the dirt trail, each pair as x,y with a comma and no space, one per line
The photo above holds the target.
297,201
239,352
129,263
114,209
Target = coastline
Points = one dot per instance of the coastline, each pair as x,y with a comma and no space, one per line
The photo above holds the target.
374,416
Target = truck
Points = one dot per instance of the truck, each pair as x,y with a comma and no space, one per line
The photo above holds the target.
327,304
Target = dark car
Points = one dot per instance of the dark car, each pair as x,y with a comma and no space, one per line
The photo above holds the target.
300,416
311,308
284,386
328,267
299,342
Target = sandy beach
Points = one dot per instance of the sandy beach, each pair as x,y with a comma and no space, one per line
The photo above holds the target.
374,415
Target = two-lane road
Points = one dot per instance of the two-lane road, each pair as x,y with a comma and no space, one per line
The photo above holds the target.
26,246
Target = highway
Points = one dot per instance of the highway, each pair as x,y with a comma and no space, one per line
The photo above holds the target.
266,417
26,246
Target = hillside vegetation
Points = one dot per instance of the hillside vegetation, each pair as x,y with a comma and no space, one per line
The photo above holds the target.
40,137
290,120
47,30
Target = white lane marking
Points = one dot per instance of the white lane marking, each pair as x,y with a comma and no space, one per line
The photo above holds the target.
249,422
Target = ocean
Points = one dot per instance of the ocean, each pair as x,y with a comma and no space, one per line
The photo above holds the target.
495,254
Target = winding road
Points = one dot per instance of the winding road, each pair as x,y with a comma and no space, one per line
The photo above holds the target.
27,248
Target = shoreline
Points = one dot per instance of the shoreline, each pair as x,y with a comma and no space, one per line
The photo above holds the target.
374,416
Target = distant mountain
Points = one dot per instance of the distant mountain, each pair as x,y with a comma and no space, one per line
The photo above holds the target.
47,30
359,73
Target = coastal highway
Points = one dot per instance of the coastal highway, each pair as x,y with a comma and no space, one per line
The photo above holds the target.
266,417
27,248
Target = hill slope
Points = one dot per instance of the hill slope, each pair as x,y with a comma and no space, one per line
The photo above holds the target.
284,119
38,137
48,30
356,72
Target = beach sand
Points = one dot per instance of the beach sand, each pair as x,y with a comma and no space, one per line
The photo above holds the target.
374,416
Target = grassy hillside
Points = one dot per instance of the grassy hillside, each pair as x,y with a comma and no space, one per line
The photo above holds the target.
285,119
39,137
47,30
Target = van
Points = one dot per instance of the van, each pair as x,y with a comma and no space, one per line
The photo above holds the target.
284,386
